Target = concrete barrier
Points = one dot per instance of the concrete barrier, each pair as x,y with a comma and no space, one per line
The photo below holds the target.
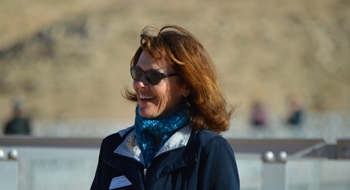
70,163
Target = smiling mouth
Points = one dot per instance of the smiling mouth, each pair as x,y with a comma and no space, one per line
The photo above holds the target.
144,97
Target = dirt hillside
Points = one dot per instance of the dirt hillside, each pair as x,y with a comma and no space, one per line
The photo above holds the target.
70,60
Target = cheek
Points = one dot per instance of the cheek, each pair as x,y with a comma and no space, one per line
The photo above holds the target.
164,95
163,99
134,85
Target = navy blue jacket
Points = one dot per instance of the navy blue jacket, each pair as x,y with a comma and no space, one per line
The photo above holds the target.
188,160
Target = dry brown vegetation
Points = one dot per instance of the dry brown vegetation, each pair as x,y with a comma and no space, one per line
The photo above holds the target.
70,59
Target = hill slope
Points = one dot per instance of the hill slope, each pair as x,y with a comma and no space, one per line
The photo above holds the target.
71,60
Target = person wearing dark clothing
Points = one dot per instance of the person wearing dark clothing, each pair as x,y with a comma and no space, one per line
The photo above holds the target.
296,112
295,118
206,162
174,142
18,124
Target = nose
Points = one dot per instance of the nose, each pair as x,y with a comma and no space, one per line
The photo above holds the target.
142,83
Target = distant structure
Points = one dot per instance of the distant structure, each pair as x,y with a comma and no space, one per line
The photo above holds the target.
296,112
18,124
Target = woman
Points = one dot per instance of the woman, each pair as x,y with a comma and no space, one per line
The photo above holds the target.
174,143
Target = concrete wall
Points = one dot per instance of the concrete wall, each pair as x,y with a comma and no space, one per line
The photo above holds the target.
74,168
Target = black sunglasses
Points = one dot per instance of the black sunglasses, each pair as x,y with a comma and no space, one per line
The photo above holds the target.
153,77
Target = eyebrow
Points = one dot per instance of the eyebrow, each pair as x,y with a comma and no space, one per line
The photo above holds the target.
160,71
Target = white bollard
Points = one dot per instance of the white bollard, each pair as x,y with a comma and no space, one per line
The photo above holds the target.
274,175
9,175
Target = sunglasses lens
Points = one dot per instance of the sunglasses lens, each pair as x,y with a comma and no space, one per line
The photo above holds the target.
154,77
136,74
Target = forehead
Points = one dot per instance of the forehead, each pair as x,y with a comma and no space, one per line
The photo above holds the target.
146,62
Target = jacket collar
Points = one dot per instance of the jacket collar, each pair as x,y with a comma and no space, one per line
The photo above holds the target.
131,148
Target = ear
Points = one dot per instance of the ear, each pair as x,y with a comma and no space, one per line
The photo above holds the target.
186,92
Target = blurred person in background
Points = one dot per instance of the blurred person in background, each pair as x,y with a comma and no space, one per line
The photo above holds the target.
19,124
258,115
296,112
175,141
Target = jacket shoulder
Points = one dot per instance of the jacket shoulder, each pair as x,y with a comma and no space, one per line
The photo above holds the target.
113,140
205,136
118,134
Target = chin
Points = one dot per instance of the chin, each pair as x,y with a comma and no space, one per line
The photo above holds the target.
146,113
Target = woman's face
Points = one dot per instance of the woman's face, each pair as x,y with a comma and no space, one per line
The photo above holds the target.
160,100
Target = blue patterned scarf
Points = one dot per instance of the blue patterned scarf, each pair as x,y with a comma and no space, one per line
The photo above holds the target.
148,129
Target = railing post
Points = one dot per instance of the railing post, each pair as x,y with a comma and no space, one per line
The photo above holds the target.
274,175
8,171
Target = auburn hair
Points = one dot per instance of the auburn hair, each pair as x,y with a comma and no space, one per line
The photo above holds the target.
189,58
